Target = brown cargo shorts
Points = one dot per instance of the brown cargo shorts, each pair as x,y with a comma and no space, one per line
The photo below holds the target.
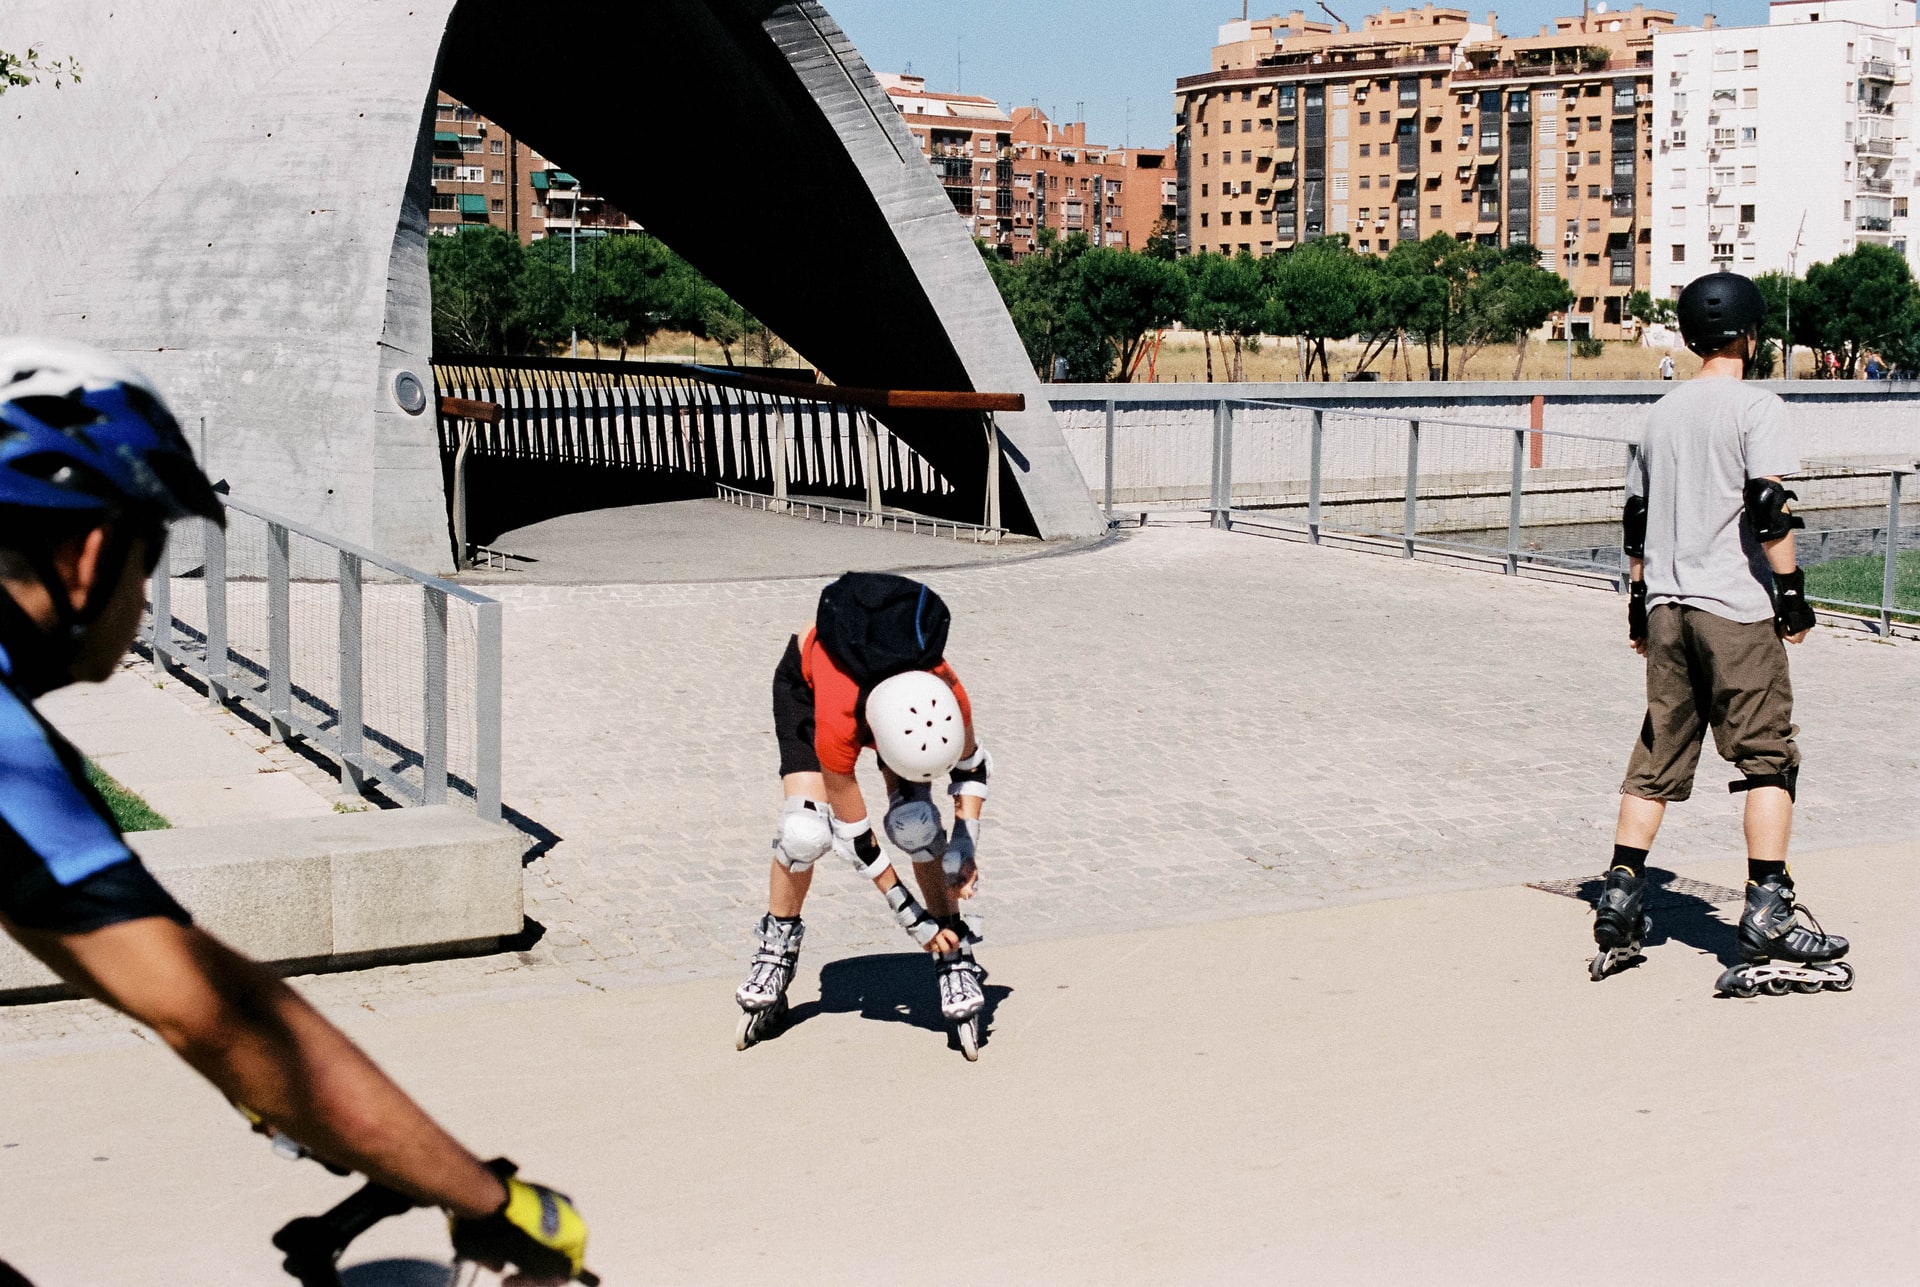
1707,672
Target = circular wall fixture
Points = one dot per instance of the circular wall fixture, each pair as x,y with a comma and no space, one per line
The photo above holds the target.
410,393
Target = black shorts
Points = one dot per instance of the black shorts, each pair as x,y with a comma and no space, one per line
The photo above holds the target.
793,713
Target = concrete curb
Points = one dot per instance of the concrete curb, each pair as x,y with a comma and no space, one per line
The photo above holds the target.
345,890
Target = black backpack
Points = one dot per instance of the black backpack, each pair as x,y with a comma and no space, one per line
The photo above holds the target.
876,625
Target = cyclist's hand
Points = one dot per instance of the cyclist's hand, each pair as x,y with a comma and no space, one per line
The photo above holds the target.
538,1232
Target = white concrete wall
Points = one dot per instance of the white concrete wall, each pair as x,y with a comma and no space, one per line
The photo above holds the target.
218,201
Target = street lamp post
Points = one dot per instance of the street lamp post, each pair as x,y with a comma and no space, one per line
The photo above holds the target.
1793,268
573,264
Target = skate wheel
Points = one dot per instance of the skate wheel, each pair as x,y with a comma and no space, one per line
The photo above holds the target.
743,1031
1845,982
1597,968
969,1034
1807,986
1778,987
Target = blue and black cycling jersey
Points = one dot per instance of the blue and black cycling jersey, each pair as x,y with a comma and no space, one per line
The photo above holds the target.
63,865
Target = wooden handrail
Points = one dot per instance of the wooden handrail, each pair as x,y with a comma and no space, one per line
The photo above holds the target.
471,409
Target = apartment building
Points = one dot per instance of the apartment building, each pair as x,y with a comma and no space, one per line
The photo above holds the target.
1303,128
1783,145
1424,121
1555,148
484,175
1011,173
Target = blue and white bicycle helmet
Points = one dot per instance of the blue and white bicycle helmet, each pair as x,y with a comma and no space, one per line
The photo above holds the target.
86,439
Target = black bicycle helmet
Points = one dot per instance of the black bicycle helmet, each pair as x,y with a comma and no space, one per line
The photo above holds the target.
1718,309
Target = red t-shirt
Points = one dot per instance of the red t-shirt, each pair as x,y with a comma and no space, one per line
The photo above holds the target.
838,730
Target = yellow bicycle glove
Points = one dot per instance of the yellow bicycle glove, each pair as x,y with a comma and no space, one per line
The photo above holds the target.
538,1232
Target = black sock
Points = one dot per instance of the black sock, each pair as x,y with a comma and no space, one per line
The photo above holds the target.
1760,871
786,920
1634,860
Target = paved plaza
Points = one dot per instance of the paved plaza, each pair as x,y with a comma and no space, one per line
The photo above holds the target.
1187,725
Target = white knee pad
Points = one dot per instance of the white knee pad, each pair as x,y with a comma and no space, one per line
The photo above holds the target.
913,824
806,834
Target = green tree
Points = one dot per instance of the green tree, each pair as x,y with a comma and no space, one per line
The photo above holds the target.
17,71
1510,296
1855,302
471,276
1642,307
1779,289
1119,296
1321,291
541,298
1409,300
1229,298
1038,292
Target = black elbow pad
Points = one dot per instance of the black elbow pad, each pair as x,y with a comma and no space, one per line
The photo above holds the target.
1634,521
1767,509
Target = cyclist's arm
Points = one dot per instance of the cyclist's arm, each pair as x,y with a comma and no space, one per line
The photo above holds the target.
263,1046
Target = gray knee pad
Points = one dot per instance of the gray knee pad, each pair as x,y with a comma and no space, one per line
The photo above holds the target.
806,834
913,824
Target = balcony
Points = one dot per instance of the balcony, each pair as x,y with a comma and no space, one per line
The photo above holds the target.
1873,223
1876,69
1882,186
1535,71
1873,146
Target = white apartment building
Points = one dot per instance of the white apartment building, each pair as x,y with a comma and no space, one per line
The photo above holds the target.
1800,129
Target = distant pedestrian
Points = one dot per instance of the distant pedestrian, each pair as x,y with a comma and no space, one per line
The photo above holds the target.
1666,367
1714,590
1875,371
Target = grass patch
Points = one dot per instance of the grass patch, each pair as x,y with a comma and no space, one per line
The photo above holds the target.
129,810
1859,580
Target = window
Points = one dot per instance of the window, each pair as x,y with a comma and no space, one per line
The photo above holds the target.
1206,160
1746,214
1433,212
497,176
1679,253
1593,225
1593,123
1366,118
443,172
986,146
1204,127
1203,218
1750,58
1679,180
1366,213
1593,190
1722,251
1677,217
1385,245
1246,96
1722,175
1680,101
1246,157
496,146
1246,216
1749,135
499,205
1266,216
1593,158
443,201
1729,59
1723,136
1410,92
1203,192
1749,175
1365,245
444,111
1679,64
1286,97
1366,181
1749,97
1246,127
1366,149
1678,140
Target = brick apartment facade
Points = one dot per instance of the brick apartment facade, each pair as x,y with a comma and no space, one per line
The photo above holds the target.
1422,122
484,175
1009,174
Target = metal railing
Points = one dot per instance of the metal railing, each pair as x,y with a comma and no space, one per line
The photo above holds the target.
1522,498
392,673
752,431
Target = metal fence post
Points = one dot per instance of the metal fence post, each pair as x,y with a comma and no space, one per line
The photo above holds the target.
214,587
1413,483
1513,501
1109,462
1313,477
779,456
870,441
1222,504
279,634
433,696
161,596
486,710
352,682
1893,551
993,472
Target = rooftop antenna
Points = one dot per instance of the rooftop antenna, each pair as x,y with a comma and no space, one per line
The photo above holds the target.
958,88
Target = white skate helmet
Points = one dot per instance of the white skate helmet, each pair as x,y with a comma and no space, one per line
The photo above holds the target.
916,723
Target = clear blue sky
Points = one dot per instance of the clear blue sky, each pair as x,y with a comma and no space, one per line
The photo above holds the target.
1119,57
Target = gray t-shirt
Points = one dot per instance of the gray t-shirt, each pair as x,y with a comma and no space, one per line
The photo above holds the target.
1703,442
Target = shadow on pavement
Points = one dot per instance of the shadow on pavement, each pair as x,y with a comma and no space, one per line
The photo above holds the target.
1683,911
397,1273
893,987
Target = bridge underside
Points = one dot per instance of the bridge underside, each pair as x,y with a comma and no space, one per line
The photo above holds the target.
241,202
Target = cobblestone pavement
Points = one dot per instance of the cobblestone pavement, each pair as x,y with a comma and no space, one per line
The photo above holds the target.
1186,725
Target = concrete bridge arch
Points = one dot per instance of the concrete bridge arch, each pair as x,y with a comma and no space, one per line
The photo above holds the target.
235,197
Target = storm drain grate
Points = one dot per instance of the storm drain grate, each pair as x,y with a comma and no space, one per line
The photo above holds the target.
1665,890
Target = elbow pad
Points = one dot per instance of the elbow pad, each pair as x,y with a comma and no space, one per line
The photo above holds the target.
1633,525
969,776
1766,505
